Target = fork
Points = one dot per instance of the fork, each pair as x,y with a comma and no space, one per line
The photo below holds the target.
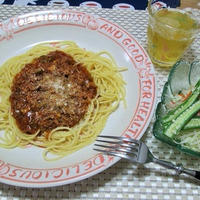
137,152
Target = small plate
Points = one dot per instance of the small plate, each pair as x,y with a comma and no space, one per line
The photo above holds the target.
182,77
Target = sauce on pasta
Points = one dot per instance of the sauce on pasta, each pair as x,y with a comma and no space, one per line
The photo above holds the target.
52,91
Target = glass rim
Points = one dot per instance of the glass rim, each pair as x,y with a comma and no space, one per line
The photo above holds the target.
149,9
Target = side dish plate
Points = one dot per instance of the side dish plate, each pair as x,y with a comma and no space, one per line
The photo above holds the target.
182,80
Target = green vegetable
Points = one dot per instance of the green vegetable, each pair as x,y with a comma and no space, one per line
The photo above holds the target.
174,128
173,114
193,123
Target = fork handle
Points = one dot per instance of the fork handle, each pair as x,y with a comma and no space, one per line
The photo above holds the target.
178,168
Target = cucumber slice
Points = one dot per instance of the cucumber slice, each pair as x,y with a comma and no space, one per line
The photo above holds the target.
174,128
193,123
179,77
194,74
173,114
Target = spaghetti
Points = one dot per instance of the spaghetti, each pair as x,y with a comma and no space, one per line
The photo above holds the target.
63,140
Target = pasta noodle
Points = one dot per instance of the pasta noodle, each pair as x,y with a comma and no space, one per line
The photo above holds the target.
62,141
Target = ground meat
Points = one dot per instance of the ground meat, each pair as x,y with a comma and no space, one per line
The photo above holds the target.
51,91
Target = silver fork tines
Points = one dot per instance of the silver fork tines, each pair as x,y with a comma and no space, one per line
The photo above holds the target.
136,151
119,143
116,149
120,146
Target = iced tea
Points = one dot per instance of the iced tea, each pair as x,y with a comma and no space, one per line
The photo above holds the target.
170,32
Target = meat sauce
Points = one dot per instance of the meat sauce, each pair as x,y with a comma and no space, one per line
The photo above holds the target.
51,91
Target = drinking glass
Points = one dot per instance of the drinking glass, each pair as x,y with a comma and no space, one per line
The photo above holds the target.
170,32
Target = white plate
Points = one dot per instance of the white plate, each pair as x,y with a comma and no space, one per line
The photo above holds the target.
26,167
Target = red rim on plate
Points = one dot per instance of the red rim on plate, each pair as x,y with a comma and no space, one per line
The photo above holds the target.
22,32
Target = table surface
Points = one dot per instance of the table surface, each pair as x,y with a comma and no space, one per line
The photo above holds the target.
123,180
